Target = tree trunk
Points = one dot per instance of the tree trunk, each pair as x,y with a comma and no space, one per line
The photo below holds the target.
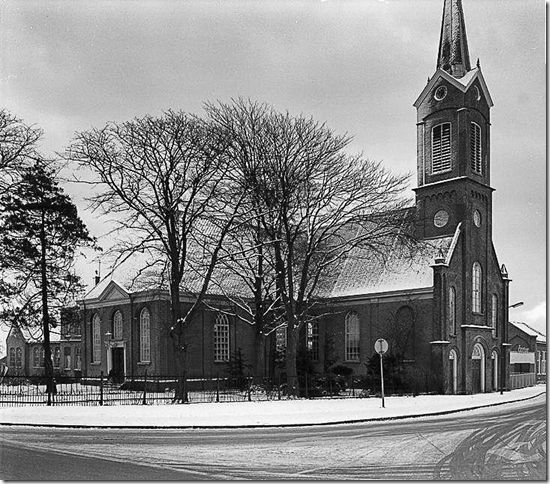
179,343
260,354
290,360
48,365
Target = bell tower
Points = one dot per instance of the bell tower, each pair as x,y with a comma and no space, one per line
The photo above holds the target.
453,132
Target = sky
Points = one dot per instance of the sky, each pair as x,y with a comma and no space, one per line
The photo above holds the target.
357,65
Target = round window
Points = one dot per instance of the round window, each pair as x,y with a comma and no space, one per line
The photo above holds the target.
440,93
477,218
441,218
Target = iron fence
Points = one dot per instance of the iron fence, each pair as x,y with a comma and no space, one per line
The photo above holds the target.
143,390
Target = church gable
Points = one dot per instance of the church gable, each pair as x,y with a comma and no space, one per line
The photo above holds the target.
113,292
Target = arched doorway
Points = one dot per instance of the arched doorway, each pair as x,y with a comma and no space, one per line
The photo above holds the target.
478,369
494,359
453,366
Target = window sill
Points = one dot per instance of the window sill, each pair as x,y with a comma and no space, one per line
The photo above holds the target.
95,363
221,361
143,363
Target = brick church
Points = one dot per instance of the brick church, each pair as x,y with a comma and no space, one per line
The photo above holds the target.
444,312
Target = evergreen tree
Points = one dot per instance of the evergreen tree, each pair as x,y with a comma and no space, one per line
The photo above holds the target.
40,232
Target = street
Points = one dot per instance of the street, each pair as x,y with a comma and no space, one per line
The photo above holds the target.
506,442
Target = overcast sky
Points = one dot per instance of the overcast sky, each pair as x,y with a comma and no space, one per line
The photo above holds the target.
358,65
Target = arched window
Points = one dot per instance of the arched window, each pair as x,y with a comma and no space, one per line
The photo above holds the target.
12,357
18,358
478,354
96,339
145,336
352,337
36,357
476,288
494,314
56,357
221,338
451,310
441,148
475,148
117,325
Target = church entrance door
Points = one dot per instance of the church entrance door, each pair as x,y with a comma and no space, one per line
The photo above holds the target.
118,365
478,369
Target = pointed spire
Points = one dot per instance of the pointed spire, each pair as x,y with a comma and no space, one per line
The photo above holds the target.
453,46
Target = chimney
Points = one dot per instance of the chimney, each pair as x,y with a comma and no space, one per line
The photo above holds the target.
96,278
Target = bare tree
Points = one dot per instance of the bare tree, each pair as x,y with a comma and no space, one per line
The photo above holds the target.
316,203
165,181
17,147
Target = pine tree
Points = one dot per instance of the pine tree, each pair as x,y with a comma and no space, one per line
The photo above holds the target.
40,232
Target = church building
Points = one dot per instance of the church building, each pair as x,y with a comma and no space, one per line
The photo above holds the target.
444,312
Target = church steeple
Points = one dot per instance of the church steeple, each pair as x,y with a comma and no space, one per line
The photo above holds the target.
453,46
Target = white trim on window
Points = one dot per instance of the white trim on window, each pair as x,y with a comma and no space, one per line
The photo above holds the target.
494,314
441,148
221,338
117,325
476,287
144,336
475,148
96,339
451,310
313,340
352,337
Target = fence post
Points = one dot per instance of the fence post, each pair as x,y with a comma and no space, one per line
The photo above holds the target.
249,388
352,386
330,387
279,387
101,388
217,388
145,388
307,392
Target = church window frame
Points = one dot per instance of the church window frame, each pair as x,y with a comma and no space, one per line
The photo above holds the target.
56,357
451,310
494,315
18,358
441,148
477,274
475,148
96,339
221,339
352,337
36,357
12,358
313,340
145,336
117,325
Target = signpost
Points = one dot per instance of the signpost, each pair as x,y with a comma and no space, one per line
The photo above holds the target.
381,346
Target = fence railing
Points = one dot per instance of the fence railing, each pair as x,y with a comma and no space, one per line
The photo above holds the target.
139,390
522,380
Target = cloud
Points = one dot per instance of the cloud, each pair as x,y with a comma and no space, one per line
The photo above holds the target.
535,317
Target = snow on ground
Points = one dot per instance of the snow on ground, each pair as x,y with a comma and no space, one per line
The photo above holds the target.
285,412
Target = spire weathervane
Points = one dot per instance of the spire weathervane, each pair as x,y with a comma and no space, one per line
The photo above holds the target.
453,54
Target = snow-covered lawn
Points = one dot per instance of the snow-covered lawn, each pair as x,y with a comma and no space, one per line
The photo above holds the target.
255,413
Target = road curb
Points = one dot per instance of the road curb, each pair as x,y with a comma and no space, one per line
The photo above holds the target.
255,426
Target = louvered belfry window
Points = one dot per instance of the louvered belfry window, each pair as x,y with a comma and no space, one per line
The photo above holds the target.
475,147
441,148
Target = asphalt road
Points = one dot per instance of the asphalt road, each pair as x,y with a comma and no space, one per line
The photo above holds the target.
498,443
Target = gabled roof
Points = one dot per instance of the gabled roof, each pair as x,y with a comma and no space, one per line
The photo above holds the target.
463,84
541,338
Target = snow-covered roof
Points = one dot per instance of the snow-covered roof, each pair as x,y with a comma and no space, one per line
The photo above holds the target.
541,338
462,83
401,267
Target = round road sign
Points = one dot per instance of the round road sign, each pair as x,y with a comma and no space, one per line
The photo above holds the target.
381,346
